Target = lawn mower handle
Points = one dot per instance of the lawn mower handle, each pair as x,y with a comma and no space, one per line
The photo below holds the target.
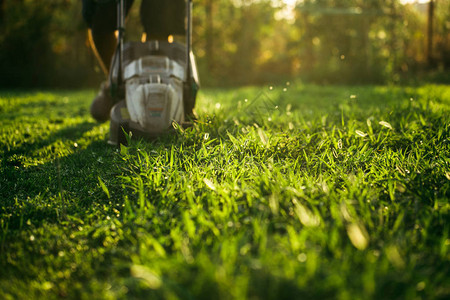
121,31
188,39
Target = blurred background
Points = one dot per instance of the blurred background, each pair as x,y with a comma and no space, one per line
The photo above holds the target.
43,43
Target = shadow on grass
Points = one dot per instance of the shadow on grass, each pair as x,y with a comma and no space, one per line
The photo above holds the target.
64,184
67,133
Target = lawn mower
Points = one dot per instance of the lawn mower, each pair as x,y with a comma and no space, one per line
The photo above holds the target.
154,84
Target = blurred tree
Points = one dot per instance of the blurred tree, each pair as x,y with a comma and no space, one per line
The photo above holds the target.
209,35
337,39
229,36
352,41
2,11
25,42
430,32
43,42
442,34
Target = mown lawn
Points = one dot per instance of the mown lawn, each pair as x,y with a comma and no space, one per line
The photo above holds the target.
284,192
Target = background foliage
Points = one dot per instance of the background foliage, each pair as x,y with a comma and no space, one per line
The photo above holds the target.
43,43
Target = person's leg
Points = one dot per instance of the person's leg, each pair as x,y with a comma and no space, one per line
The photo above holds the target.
102,39
101,17
163,18
102,20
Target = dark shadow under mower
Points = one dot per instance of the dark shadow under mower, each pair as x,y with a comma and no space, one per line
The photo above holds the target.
154,84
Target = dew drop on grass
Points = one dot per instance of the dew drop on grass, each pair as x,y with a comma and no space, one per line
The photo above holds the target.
47,286
245,249
345,213
306,217
360,133
150,278
209,184
262,136
358,236
447,175
288,107
302,257
395,257
206,136
385,124
335,153
421,286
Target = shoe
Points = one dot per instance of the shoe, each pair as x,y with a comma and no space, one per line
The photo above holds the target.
102,104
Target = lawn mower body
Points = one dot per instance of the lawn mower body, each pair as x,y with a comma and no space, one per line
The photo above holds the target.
154,85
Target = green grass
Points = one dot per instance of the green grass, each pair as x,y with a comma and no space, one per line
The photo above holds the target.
297,192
